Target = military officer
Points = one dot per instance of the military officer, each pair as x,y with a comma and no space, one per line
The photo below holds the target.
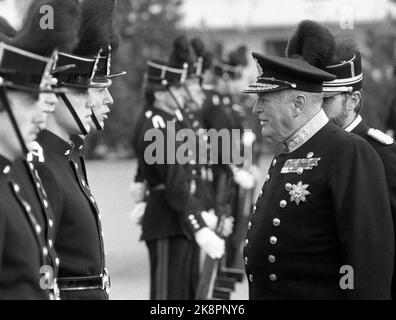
323,212
172,224
79,241
28,261
343,101
98,40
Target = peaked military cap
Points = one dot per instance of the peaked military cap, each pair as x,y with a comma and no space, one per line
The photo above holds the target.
277,73
23,70
74,71
103,74
161,73
349,75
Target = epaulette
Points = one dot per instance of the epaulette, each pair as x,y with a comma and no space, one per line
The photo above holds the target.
216,100
37,153
158,122
379,136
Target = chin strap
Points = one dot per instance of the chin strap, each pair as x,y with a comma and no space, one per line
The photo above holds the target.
96,122
74,114
4,100
174,98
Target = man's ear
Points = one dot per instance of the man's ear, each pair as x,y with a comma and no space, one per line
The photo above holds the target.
299,105
354,100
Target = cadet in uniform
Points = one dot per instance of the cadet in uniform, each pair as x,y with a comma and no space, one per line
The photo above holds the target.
28,261
172,226
79,240
343,101
324,207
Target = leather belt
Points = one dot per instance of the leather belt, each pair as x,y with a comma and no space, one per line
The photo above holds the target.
85,283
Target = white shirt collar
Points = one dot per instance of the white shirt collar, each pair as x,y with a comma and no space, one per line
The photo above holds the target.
354,123
317,122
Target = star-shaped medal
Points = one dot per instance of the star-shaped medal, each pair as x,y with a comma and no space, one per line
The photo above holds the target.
299,192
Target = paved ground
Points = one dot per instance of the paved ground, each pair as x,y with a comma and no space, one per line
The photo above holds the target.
127,258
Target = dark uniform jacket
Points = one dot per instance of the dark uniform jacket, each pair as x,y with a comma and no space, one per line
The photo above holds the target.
24,248
170,210
79,241
324,205
386,149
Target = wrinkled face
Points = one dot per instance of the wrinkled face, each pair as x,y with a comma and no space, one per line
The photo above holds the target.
29,116
195,92
274,110
81,102
336,109
101,101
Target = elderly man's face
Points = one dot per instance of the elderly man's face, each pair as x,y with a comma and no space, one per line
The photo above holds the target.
274,110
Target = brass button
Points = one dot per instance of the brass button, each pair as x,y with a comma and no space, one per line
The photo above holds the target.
250,277
300,171
283,203
274,163
276,222
261,193
271,259
310,155
268,178
246,242
249,225
273,240
273,277
246,261
288,186
254,209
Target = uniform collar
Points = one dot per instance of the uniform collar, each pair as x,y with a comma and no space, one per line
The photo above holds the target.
78,143
50,141
5,165
317,122
354,124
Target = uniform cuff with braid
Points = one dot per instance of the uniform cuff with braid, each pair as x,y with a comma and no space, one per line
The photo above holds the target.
195,222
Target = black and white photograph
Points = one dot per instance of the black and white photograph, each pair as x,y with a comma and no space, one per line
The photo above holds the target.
198,155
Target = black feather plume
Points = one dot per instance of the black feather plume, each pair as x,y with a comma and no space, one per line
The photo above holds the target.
345,50
313,43
238,57
98,27
181,53
63,36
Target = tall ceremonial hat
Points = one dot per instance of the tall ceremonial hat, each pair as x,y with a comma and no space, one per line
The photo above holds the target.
203,58
233,66
24,55
99,38
181,56
339,57
92,55
161,75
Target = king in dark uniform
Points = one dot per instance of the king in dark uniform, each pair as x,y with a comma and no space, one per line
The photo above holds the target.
324,207
343,99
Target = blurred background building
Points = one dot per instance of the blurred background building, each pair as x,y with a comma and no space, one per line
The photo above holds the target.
148,27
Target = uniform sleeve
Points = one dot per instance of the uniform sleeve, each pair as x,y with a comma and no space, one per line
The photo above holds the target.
363,219
176,179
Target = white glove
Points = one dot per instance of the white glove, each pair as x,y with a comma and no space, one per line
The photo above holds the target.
245,179
210,219
228,227
137,191
137,212
210,243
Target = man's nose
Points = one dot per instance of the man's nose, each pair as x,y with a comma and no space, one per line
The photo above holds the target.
108,98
